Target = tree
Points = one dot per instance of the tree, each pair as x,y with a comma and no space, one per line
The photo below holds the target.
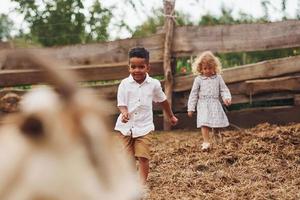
227,18
156,21
242,58
298,9
98,23
61,22
5,27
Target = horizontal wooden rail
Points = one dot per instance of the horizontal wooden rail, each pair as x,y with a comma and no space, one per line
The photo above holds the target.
265,69
287,83
190,40
101,53
243,118
181,99
86,73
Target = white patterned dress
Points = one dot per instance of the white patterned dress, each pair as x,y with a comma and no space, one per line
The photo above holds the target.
205,94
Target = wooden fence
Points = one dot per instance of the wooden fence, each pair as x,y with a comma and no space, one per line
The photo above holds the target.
270,80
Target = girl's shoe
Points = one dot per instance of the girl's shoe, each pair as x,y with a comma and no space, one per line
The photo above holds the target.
205,146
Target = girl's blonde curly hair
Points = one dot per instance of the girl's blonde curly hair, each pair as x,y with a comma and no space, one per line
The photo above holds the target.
206,58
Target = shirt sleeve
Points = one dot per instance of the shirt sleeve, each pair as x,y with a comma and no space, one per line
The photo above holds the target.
193,98
121,96
159,95
225,93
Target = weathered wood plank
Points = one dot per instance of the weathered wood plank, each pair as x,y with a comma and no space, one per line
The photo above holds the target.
183,83
287,83
241,87
190,40
5,45
237,99
297,99
265,69
273,115
108,92
181,99
244,118
237,88
99,53
86,73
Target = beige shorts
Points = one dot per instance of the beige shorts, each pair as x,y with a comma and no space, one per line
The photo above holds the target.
139,146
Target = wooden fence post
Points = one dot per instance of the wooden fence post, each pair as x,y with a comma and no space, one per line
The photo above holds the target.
169,30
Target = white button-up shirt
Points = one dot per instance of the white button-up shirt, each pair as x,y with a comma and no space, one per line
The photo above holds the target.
138,99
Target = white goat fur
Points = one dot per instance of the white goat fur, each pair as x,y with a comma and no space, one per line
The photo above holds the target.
73,158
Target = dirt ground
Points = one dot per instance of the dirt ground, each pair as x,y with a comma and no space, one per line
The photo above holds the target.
258,163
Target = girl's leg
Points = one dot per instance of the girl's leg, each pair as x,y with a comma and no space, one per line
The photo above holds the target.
205,134
143,169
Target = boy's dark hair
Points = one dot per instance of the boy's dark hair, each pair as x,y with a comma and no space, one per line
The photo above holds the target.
139,52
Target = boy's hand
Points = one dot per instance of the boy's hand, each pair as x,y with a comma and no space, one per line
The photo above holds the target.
125,117
227,102
190,113
173,120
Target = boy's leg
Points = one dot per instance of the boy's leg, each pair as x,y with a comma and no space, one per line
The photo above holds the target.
142,153
143,169
128,143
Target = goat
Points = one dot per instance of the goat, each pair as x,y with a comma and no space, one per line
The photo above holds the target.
58,146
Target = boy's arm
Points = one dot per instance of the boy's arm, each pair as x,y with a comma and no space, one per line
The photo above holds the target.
122,102
160,97
124,112
167,108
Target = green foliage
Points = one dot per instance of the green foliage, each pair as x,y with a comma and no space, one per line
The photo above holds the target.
61,22
183,66
98,23
265,4
298,9
156,21
150,25
227,18
24,41
5,27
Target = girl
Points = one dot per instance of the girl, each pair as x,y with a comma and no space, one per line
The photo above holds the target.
207,88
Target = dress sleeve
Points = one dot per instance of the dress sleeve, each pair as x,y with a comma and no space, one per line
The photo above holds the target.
193,98
224,91
121,96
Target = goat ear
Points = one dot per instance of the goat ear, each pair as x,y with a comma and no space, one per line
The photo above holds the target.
32,126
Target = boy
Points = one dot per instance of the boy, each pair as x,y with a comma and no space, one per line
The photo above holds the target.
135,96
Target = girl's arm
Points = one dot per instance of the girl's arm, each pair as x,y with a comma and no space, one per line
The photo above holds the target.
193,98
225,93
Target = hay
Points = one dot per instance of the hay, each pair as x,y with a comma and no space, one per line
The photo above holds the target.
259,163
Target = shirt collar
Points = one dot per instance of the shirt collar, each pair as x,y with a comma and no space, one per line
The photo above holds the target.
147,79
205,77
